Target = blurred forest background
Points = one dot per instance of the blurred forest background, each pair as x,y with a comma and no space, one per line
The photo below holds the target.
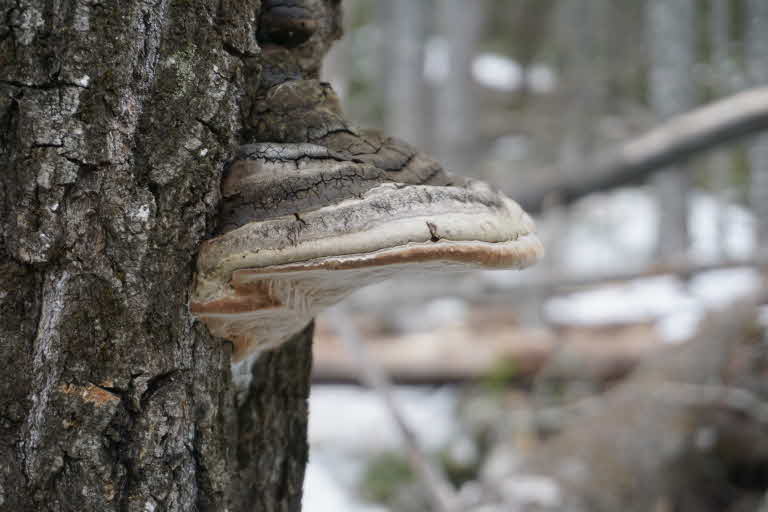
627,372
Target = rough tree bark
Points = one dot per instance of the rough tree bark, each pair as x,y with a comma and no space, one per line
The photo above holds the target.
116,120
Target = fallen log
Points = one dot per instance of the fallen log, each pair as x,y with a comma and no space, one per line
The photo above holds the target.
460,354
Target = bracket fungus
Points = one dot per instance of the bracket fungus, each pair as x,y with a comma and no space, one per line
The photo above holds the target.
304,225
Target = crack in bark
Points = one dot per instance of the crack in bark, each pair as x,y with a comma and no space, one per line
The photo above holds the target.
155,384
211,128
47,86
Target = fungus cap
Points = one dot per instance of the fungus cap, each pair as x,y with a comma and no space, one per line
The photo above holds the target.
305,228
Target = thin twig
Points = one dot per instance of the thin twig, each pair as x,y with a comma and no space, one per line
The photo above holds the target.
440,491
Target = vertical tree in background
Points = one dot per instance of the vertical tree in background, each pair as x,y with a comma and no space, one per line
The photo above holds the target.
722,82
756,58
580,27
404,40
456,123
527,22
671,32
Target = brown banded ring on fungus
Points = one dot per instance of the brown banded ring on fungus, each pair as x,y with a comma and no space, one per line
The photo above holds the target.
304,226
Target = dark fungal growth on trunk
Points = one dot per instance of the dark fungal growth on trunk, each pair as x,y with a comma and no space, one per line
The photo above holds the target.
314,208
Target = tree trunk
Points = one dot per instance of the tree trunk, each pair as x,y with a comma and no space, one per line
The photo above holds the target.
456,113
723,75
406,94
671,36
582,31
756,48
272,449
116,121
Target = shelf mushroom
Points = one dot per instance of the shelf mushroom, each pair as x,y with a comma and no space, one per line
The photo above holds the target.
305,225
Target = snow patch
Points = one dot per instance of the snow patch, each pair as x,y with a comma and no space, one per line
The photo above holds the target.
616,232
498,72
340,448
528,490
636,301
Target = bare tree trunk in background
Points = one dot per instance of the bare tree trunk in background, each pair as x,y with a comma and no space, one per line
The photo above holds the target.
116,120
529,20
757,66
336,68
456,122
339,63
722,71
671,31
406,94
580,25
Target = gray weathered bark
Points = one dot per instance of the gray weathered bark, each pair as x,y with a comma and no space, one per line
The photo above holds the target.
116,119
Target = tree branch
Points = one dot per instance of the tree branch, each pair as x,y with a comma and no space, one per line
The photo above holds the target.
677,139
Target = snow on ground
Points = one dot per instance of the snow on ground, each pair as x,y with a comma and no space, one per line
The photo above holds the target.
676,308
491,70
349,425
497,72
616,232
